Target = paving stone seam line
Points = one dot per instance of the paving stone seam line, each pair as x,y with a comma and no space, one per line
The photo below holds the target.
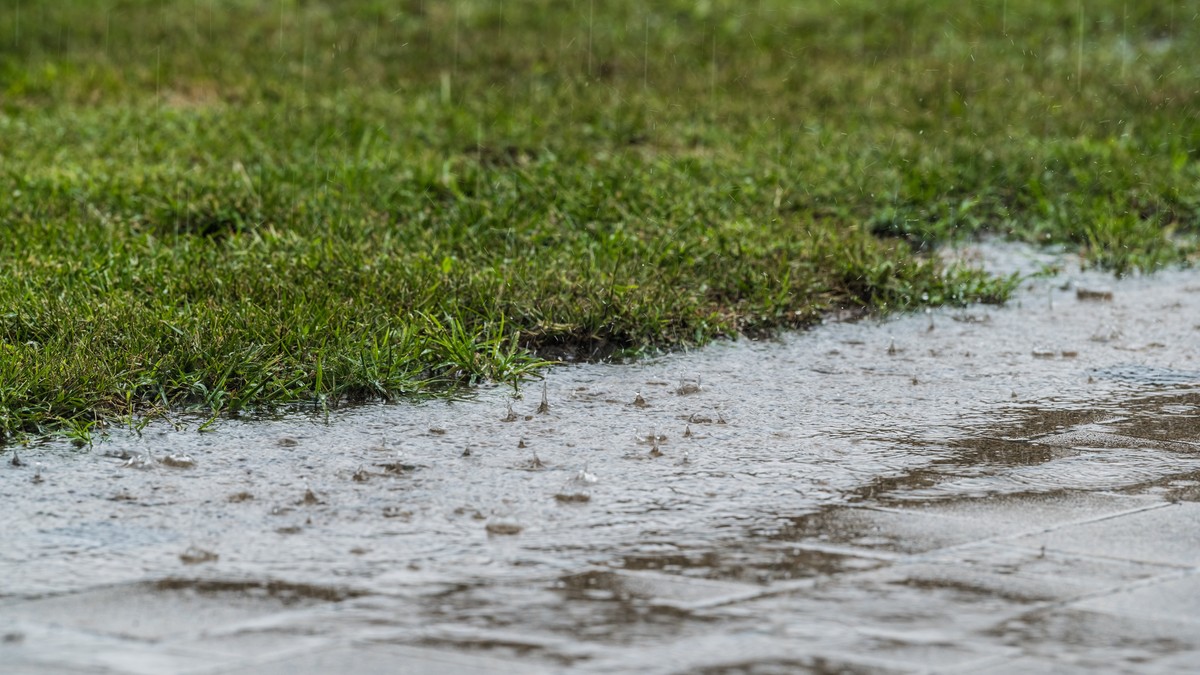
783,588
900,560
449,632
925,556
558,653
1107,558
849,551
1001,538
982,664
1063,603
240,662
886,665
935,554
1089,521
765,592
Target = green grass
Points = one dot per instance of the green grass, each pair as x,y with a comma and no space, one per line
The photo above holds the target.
229,205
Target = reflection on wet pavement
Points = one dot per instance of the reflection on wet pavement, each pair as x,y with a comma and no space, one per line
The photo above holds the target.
1014,490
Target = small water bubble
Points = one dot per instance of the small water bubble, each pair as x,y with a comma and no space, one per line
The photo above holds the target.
397,512
139,461
178,461
503,528
195,555
396,467
652,438
1094,294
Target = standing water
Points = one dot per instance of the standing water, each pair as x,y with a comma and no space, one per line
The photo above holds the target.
988,489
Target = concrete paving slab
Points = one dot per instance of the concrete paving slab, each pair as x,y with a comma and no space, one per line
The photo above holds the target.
520,642
1101,641
756,561
900,638
1163,535
1176,599
1057,575
11,668
59,649
888,530
1003,515
662,590
745,653
163,609
1028,665
255,644
927,527
981,579
886,602
372,659
916,653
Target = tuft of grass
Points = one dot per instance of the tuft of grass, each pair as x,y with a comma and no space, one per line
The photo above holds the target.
231,205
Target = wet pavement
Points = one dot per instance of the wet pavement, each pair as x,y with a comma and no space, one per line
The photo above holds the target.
985,490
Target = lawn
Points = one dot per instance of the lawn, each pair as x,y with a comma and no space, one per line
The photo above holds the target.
229,206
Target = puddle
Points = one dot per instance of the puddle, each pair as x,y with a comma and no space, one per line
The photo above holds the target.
153,611
783,492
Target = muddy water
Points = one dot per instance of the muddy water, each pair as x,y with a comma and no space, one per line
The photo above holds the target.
714,511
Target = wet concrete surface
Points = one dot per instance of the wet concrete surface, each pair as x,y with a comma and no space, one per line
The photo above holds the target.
985,490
